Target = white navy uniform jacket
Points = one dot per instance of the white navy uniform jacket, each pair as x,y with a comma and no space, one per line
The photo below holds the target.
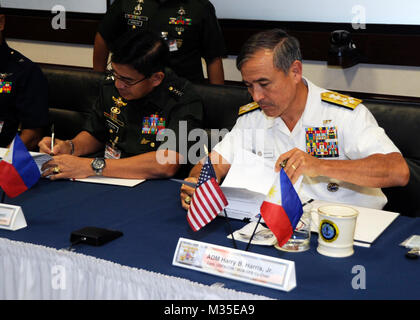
355,134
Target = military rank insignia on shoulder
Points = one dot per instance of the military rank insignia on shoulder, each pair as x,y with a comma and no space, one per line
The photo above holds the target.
248,107
340,100
175,92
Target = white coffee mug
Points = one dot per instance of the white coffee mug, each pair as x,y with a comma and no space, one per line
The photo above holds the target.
336,230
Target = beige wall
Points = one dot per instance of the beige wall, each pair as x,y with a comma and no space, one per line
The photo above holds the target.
381,79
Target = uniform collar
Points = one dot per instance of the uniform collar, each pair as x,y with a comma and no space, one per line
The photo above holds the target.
159,96
312,115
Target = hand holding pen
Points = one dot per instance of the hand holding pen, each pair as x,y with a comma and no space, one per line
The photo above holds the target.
54,146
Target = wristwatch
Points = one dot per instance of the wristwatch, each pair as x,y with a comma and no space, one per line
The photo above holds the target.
98,164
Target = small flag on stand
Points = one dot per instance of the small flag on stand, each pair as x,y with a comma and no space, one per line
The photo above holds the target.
282,208
18,170
208,199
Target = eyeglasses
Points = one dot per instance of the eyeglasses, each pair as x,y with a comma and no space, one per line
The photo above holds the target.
127,81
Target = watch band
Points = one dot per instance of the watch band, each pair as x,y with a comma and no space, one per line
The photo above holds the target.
71,146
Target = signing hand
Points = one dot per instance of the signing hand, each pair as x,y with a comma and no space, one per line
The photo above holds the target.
298,163
67,167
187,193
60,146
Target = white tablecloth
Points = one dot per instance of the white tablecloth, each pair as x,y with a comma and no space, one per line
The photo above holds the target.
30,271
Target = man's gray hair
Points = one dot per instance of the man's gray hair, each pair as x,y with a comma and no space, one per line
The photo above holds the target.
285,48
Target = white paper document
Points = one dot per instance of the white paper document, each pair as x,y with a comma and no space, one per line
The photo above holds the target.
113,181
40,159
246,185
370,223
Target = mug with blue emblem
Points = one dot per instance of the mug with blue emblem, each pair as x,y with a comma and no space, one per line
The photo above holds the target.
337,224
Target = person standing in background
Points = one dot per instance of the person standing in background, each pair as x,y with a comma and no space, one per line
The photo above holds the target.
189,27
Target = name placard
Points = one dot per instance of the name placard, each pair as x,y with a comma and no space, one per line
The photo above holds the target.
11,217
235,264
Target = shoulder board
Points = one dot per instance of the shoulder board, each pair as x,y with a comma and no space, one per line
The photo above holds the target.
248,107
340,100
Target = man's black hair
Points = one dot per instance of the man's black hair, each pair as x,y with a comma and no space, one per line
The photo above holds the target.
285,48
144,51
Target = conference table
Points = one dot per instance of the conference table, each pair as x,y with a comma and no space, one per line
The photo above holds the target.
35,262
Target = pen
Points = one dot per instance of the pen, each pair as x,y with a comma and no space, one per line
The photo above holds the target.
191,184
52,138
283,163
309,201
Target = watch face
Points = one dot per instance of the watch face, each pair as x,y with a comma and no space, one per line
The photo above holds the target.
98,164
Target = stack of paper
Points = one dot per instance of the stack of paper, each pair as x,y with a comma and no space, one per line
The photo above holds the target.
243,203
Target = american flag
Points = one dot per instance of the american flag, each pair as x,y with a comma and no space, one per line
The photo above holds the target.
208,199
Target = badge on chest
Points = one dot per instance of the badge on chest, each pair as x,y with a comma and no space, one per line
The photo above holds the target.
322,142
136,19
115,111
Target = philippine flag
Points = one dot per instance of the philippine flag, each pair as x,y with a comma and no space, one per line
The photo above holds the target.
282,208
18,170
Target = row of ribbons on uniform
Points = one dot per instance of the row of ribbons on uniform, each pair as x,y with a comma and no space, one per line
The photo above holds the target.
152,124
5,87
322,142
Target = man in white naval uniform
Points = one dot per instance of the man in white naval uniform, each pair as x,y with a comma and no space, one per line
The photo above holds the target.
331,142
